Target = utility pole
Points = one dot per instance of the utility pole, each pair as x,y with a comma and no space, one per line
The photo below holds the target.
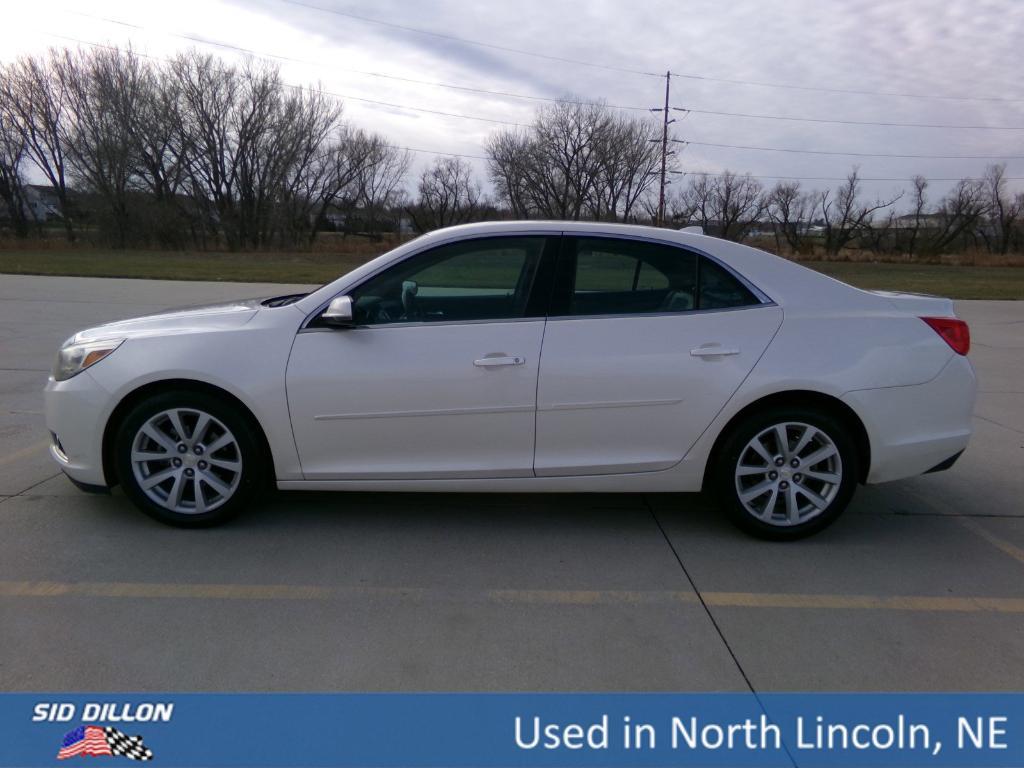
664,150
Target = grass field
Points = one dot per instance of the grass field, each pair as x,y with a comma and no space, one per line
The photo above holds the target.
958,282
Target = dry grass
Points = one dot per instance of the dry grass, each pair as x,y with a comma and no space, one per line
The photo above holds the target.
965,276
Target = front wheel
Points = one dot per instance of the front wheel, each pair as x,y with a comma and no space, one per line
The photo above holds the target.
786,473
187,458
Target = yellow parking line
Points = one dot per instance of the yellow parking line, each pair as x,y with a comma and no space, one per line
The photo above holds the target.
24,453
192,591
589,596
1010,549
752,600
864,602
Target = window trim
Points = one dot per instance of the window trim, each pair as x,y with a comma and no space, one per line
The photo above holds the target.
564,260
549,256
551,264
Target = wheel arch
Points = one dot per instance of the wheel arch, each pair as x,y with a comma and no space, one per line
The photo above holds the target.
803,398
152,388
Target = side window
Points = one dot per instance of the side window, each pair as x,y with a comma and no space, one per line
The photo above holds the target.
485,279
618,277
720,290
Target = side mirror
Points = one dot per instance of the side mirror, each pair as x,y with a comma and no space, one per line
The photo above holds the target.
339,313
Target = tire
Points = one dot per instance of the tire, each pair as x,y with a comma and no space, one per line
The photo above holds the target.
211,480
793,499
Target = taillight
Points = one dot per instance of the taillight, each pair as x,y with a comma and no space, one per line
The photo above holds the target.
953,331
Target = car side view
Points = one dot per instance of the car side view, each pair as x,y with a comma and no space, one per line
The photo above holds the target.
526,357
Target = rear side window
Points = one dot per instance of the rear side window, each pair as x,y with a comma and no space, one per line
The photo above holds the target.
720,289
623,277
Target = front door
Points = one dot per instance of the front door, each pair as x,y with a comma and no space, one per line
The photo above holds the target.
439,376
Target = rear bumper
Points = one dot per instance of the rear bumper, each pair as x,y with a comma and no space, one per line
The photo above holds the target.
916,429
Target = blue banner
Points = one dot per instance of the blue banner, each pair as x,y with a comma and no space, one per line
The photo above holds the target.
468,729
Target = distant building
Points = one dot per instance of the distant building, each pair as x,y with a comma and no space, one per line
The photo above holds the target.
41,203
917,221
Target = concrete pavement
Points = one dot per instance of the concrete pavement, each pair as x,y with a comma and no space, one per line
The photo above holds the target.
919,587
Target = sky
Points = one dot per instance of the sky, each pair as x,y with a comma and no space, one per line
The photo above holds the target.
926,62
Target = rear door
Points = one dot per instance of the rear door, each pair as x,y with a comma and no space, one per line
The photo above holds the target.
645,343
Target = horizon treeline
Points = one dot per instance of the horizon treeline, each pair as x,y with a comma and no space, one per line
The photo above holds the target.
202,153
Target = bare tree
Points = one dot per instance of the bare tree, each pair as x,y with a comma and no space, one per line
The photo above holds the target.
693,204
208,93
380,180
961,212
844,216
508,157
919,203
1003,211
12,153
738,203
789,209
331,178
628,159
35,102
448,195
103,87
259,159
565,157
727,204
552,170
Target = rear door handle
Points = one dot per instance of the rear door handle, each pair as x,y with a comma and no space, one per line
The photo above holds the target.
498,360
713,351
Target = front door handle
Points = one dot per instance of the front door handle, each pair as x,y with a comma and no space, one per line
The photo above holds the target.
493,361
713,350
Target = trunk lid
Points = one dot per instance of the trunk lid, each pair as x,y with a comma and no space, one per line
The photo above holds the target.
919,304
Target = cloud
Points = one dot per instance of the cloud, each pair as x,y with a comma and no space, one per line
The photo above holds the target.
957,47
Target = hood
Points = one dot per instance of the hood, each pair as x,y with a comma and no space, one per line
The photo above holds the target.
186,320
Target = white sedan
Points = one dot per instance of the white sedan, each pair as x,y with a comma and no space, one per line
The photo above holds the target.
526,356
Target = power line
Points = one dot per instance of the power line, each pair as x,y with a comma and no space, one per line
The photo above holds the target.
850,154
467,41
852,122
837,178
686,111
508,94
412,108
392,104
436,152
368,73
848,91
691,76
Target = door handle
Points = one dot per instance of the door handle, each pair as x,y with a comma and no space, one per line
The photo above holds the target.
713,351
489,361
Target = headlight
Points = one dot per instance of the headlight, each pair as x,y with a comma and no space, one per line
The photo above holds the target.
74,358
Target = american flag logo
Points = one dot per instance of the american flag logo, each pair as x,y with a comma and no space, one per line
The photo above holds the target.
97,741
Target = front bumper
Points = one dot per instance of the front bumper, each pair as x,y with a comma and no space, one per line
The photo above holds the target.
916,429
76,414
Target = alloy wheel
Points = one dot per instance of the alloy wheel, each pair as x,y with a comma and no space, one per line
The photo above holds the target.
186,460
788,474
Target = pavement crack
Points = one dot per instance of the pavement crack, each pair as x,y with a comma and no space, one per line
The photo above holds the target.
714,623
700,597
4,499
992,421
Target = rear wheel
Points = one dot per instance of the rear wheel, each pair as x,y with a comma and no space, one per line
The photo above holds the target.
787,472
188,458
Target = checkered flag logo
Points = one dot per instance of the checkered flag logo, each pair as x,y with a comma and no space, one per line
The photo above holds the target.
127,746
100,741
